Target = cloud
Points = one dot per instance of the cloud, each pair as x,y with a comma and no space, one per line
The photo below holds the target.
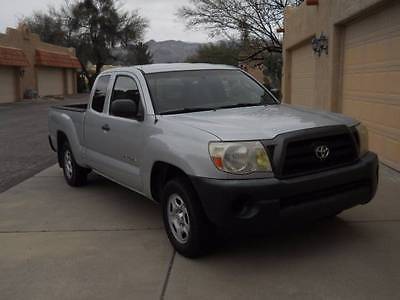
164,24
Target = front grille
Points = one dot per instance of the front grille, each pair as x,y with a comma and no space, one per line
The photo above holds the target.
301,158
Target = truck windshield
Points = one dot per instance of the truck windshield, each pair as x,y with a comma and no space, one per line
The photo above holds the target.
200,90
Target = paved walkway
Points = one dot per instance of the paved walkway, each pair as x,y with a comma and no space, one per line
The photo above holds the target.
105,242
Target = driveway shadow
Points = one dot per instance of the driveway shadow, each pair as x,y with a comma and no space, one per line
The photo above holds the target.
306,238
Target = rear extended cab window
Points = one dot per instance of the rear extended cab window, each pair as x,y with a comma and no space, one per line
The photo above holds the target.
125,87
100,93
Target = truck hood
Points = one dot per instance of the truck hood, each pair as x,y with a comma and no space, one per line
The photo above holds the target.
258,122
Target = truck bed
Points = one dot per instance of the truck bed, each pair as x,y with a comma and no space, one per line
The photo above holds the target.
68,119
72,107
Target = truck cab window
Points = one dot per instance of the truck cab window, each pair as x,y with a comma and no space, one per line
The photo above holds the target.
125,88
100,92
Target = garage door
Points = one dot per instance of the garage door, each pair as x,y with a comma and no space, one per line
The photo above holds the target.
7,84
50,81
70,81
302,91
371,80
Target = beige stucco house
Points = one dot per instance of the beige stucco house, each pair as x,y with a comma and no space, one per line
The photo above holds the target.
359,72
27,63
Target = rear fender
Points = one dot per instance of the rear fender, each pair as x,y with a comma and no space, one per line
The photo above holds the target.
63,124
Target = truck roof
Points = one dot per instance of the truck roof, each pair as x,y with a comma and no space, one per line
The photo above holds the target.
159,68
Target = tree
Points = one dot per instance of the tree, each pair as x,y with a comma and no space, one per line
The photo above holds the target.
273,68
49,27
93,27
143,55
253,19
223,52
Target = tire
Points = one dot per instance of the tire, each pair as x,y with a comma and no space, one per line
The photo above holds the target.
333,215
74,174
188,229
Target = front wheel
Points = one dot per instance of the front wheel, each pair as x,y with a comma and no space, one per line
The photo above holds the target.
73,173
188,229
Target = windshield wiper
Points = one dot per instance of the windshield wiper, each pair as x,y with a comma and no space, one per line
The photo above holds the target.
186,110
197,109
240,105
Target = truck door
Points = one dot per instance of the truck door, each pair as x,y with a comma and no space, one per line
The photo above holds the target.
124,139
95,131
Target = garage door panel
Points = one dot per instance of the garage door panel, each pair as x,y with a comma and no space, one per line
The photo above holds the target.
303,76
373,57
8,84
50,81
303,67
372,97
373,82
374,50
371,79
386,144
383,24
301,85
377,113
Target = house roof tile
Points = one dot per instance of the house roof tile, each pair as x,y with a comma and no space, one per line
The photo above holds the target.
56,59
13,57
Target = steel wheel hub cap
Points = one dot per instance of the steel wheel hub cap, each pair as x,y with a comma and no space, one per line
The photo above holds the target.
178,218
68,164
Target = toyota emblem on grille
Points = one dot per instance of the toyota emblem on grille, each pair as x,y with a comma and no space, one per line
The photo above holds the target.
322,152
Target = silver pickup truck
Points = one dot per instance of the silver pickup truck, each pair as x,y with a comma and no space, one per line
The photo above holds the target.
214,148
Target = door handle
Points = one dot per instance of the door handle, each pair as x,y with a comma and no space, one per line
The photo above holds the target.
106,127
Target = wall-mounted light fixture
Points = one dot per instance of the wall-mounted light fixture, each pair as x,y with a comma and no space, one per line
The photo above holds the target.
320,44
312,2
22,72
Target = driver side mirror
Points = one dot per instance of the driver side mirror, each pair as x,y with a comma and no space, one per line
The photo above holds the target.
125,108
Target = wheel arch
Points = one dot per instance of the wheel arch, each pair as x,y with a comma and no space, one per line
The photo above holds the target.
61,139
161,173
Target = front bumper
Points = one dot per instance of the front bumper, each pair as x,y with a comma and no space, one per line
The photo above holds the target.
254,201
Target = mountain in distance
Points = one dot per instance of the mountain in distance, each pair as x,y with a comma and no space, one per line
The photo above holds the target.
172,51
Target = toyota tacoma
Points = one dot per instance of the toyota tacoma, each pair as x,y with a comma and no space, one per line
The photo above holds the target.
215,148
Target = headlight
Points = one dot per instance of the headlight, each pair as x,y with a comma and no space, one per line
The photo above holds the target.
362,133
239,157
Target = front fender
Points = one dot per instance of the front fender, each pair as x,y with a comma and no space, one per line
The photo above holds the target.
184,150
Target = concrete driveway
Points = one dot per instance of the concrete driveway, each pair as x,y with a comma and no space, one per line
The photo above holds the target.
105,242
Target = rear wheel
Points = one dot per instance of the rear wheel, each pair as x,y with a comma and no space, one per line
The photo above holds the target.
187,227
73,173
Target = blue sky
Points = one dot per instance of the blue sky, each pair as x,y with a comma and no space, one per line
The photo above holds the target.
164,25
